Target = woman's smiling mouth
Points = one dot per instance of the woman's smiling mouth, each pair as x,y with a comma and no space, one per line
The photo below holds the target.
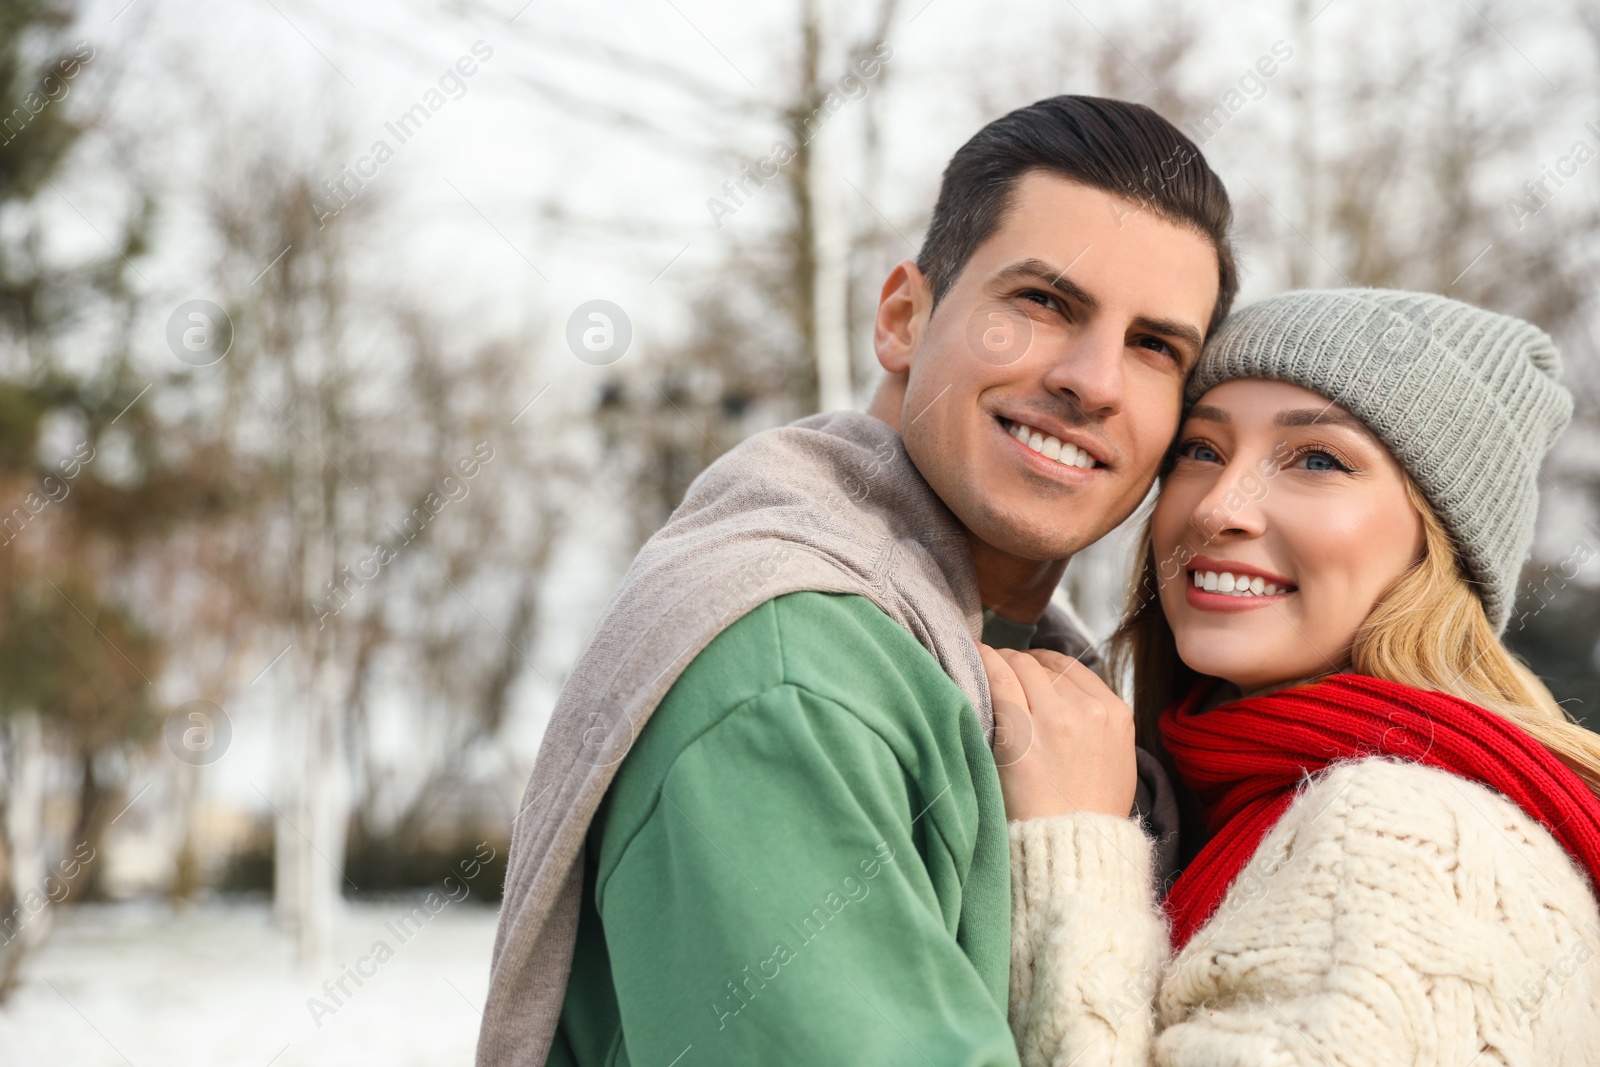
1242,585
1217,585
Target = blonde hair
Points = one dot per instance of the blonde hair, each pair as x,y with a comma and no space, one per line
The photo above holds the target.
1428,630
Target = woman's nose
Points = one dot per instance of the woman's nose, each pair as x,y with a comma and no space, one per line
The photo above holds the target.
1232,505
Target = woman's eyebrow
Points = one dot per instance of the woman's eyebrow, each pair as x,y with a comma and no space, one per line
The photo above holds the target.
1325,416
1209,413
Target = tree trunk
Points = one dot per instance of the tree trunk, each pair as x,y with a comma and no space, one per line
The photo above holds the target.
314,807
1304,254
27,918
95,798
187,871
288,848
326,811
829,235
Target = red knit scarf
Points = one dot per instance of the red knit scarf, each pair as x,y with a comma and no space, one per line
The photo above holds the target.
1245,759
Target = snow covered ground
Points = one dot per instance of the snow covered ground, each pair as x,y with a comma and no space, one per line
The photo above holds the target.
140,985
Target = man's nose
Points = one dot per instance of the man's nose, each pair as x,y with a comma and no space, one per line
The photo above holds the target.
1088,371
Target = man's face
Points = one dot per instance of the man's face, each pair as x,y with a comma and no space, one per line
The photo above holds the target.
1042,392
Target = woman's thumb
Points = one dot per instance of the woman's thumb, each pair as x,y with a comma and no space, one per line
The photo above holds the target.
1013,723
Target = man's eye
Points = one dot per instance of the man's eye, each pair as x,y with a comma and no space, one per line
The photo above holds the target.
1164,347
1043,299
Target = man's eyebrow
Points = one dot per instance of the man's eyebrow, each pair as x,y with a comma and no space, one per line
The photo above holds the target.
1052,276
1170,328
1209,413
1056,279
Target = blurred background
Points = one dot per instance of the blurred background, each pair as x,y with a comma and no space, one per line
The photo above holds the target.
348,351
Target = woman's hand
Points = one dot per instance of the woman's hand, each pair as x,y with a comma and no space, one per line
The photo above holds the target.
1063,741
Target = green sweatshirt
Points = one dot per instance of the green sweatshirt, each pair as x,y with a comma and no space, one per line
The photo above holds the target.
803,860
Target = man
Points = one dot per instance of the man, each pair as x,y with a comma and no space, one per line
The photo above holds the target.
765,824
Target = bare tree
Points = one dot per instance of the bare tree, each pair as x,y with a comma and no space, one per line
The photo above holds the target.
775,331
401,519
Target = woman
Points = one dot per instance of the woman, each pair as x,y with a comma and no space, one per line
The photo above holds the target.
1396,833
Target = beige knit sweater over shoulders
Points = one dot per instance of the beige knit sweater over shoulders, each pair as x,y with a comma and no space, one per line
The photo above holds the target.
1397,914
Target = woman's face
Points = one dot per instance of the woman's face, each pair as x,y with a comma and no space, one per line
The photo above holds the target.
1281,524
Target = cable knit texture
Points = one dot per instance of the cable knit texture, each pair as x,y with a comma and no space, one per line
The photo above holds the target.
1396,914
1087,939
1245,758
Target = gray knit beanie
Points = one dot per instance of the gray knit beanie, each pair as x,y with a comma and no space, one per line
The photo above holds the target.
1467,400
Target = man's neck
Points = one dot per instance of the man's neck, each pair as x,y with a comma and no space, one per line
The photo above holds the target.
1019,589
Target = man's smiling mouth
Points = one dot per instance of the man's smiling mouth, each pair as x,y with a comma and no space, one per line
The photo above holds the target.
1063,452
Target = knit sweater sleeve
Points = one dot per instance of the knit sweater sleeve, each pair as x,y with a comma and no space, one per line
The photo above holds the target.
1087,941
1395,914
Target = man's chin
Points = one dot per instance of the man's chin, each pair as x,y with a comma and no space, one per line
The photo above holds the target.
1035,540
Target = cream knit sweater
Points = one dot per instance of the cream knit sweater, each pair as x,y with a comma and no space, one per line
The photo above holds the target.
1397,914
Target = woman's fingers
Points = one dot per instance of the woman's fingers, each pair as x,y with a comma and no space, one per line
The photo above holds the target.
1013,726
1063,740
1065,669
1002,679
1038,683
1082,740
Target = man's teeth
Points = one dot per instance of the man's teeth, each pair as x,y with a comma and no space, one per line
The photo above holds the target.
1064,453
1236,584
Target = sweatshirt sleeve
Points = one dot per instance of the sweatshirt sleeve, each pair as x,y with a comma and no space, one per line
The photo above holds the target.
790,887
1087,941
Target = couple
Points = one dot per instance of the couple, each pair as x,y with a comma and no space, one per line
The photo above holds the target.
835,782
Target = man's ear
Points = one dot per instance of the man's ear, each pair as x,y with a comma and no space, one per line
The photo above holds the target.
903,309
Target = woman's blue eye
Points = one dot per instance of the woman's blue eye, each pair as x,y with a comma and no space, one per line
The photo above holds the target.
1321,461
1204,453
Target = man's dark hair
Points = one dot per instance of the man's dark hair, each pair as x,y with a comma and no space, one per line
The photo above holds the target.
1123,148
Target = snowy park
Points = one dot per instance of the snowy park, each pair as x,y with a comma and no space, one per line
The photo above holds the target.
217,985
350,351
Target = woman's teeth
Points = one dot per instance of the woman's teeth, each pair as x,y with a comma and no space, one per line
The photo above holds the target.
1068,455
1236,585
